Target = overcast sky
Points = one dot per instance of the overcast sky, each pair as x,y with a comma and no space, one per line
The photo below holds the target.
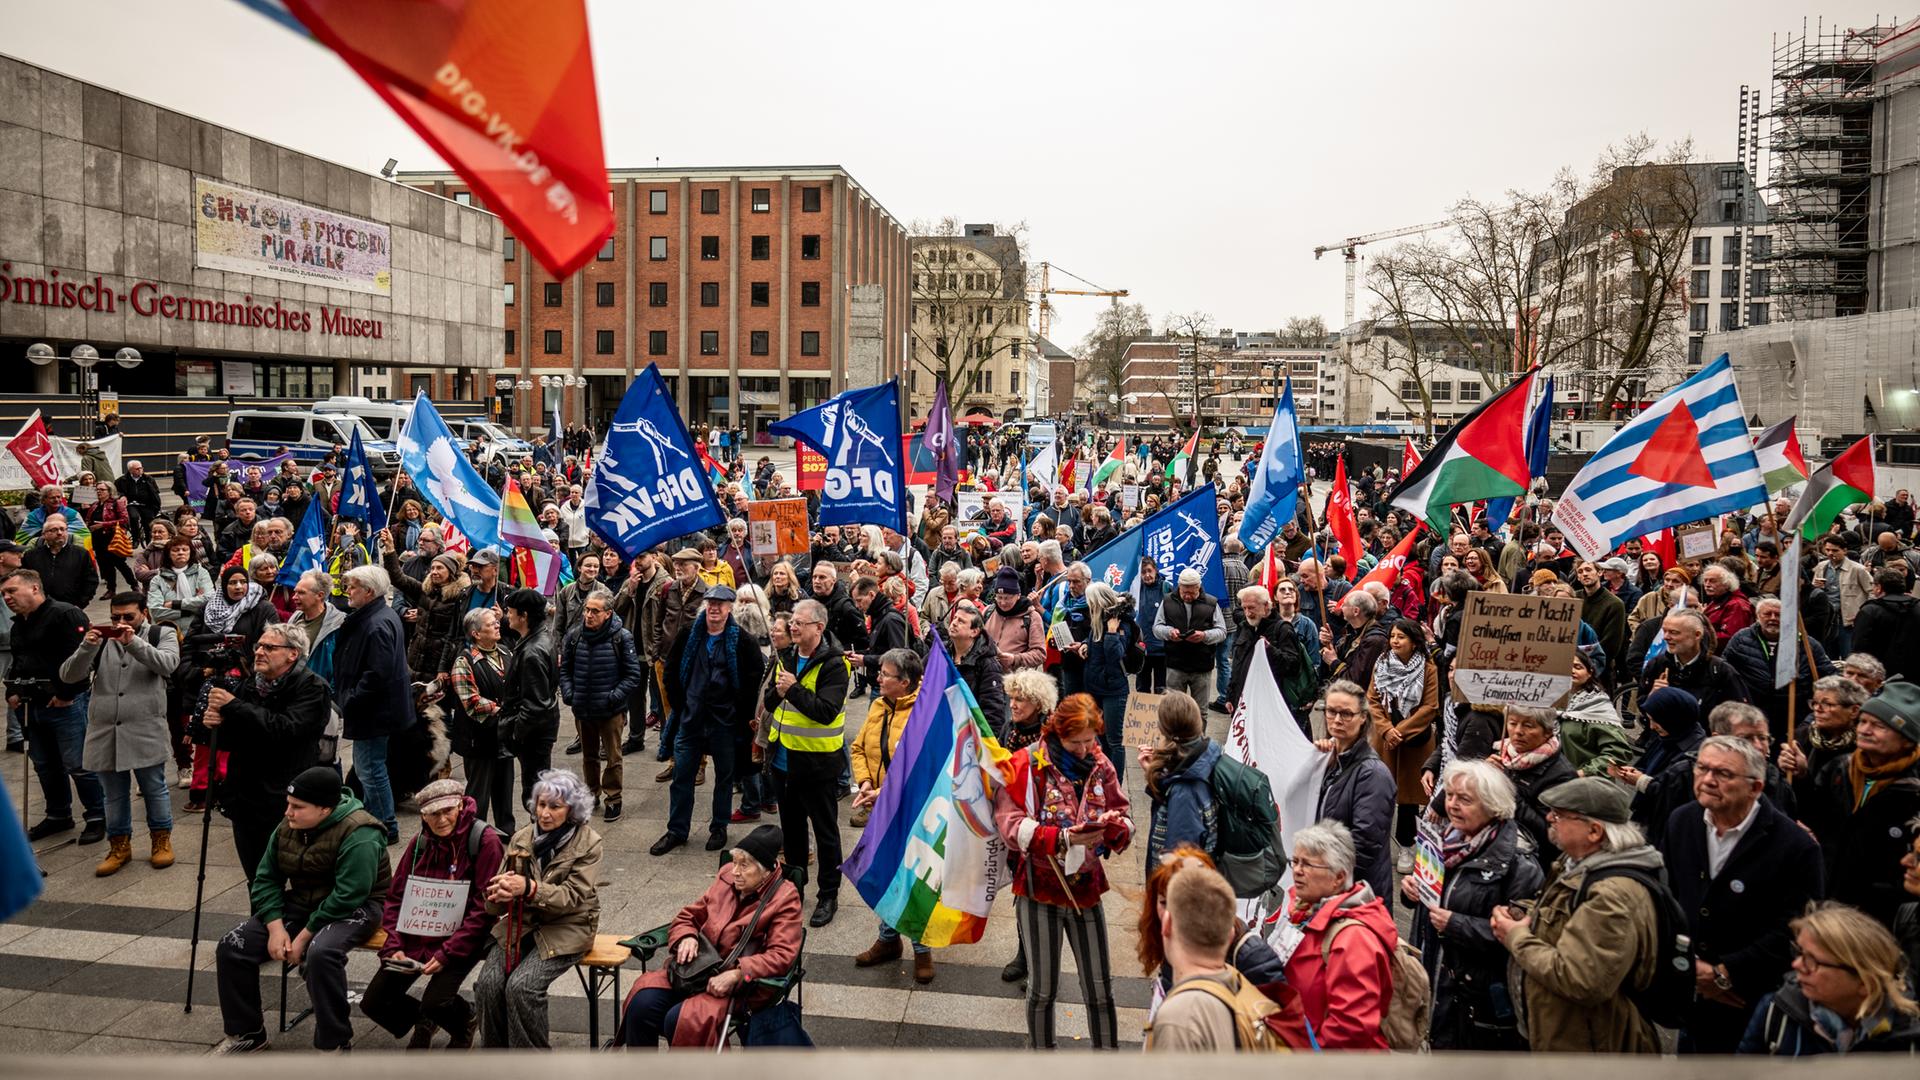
1193,153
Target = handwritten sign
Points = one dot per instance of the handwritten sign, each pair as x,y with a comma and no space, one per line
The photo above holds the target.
1429,869
1517,649
433,907
778,526
1696,541
1142,721
1129,496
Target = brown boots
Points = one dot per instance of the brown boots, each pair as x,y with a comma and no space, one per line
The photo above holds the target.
162,856
120,853
879,952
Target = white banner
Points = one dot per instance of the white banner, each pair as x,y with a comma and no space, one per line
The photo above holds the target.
970,510
1264,735
66,453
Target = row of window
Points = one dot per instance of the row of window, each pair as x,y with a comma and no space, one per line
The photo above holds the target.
1729,249
980,385
760,198
759,248
1759,282
1440,391
759,343
759,294
1729,316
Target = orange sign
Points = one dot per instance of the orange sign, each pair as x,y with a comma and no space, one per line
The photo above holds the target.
778,526
812,468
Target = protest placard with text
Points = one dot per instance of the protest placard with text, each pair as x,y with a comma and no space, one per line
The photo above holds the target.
1517,649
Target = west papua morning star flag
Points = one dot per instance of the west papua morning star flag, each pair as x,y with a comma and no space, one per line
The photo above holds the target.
1686,458
33,447
859,434
1275,495
433,457
503,90
940,440
359,495
649,485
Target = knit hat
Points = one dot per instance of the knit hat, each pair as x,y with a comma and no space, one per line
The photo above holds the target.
1006,580
1543,577
1684,573
318,786
1897,705
439,795
764,845
454,563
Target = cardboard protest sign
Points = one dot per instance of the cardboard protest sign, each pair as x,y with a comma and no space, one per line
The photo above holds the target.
1696,541
433,907
1517,649
1142,720
810,468
1129,496
970,509
778,526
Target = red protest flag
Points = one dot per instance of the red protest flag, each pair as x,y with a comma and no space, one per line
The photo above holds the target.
1387,572
504,91
33,447
1340,519
1409,458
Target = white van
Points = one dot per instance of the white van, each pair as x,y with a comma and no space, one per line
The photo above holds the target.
384,418
257,434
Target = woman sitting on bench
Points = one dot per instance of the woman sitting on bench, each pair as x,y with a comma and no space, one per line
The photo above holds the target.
745,927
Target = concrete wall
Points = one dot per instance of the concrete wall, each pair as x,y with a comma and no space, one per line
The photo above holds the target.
96,183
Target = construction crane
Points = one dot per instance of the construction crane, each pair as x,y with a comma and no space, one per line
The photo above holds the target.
1350,248
1046,289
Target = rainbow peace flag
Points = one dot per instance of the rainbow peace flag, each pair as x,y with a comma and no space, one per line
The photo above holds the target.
930,861
518,527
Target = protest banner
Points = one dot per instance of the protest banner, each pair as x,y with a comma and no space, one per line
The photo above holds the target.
1142,720
1129,496
1517,649
970,510
810,468
1429,869
433,908
1697,540
778,526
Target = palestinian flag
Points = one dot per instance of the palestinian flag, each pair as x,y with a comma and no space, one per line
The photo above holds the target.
1781,462
1845,481
1483,456
1114,460
1182,464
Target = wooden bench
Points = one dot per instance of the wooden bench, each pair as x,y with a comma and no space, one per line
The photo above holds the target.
598,968
373,944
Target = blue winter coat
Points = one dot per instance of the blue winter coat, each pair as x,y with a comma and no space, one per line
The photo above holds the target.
1183,809
1107,659
372,682
599,670
1150,597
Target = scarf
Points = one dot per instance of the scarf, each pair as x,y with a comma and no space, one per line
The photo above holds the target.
1401,682
1513,762
1842,741
1456,848
1866,781
1075,769
220,613
265,687
545,843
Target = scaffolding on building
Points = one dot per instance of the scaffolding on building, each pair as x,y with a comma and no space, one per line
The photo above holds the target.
1821,148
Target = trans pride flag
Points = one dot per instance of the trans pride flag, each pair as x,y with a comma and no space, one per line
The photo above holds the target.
930,861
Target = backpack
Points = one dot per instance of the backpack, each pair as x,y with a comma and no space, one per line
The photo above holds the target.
475,835
1409,1000
1667,1000
1247,845
1261,1024
1297,672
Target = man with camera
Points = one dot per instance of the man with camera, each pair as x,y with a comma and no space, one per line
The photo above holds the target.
45,633
271,727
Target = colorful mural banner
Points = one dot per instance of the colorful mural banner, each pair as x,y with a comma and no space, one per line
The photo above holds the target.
243,231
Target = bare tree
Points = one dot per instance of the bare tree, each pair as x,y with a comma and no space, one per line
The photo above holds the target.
969,308
1306,331
1103,353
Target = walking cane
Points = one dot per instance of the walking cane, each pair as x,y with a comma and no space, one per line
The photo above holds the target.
206,828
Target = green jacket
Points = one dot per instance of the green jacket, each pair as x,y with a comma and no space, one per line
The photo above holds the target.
358,872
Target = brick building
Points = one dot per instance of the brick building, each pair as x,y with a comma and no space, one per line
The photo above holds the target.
759,292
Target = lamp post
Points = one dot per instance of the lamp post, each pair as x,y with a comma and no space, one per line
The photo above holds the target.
561,382
525,406
84,357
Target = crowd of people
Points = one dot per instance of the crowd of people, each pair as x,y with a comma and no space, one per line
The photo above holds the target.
1676,796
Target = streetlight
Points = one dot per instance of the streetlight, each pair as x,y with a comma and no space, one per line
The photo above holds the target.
84,357
525,406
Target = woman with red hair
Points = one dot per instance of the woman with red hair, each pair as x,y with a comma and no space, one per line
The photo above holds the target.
1061,812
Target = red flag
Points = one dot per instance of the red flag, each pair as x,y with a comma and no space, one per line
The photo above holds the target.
1271,572
504,91
1409,457
1346,532
1387,571
34,449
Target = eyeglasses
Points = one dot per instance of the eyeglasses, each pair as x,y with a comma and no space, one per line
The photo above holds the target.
1303,864
126,616
1725,776
270,645
1563,815
1344,714
1813,963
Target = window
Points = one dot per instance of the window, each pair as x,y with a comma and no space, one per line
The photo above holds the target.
762,200
809,200
1756,314
657,294
709,343
1730,250
603,342
709,248
986,382
757,294
509,294
709,200
809,294
1695,348
1762,248
810,247
1729,316
757,343
1702,283
657,248
1729,283
1702,250
709,294
1469,391
603,293
1697,317
1730,179
809,343
1762,283
1440,391
550,293
464,198
1730,210
656,343
762,247
1013,382
551,342
657,201
512,248
1409,390
606,251
510,343
271,429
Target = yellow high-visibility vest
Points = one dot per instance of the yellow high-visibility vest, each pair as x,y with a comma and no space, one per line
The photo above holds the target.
796,730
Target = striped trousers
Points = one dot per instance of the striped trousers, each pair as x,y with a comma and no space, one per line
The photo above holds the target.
1042,926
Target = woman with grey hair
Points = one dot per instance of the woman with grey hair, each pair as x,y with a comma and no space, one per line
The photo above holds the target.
1531,758
1489,864
479,678
1337,937
548,908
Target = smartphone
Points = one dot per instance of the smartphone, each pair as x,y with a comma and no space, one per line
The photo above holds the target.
105,629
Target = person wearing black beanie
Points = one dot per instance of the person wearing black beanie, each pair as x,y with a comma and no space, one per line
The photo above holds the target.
318,786
764,844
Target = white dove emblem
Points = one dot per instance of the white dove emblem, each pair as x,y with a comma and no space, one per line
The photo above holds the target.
443,478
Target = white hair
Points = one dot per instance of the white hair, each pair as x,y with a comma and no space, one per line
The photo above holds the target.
1252,591
1332,842
1721,574
562,786
371,578
294,637
1489,785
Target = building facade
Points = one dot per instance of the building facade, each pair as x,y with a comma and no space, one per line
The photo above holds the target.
233,265
758,291
1390,365
969,323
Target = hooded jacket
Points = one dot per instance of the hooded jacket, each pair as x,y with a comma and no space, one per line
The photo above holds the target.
980,670
312,877
127,711
1465,959
1346,996
1019,634
1667,763
1878,628
1864,835
1183,810
1036,808
445,858
1105,672
871,752
1783,1025
269,739
437,631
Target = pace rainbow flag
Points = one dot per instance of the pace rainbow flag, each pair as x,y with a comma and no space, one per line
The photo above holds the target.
930,861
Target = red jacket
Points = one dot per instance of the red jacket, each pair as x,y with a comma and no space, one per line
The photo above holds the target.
1346,1000
722,915
1035,809
446,858
1728,616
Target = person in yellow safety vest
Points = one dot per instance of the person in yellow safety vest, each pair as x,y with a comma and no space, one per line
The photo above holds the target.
807,724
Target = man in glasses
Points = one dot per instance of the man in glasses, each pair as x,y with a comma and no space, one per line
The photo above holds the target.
272,727
127,739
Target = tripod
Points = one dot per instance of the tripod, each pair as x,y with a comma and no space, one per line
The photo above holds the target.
206,829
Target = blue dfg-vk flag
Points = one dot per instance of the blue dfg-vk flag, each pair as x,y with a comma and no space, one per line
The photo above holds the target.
1185,533
1275,496
648,486
431,455
858,433
309,548
359,495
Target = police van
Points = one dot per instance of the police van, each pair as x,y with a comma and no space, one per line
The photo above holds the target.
257,434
